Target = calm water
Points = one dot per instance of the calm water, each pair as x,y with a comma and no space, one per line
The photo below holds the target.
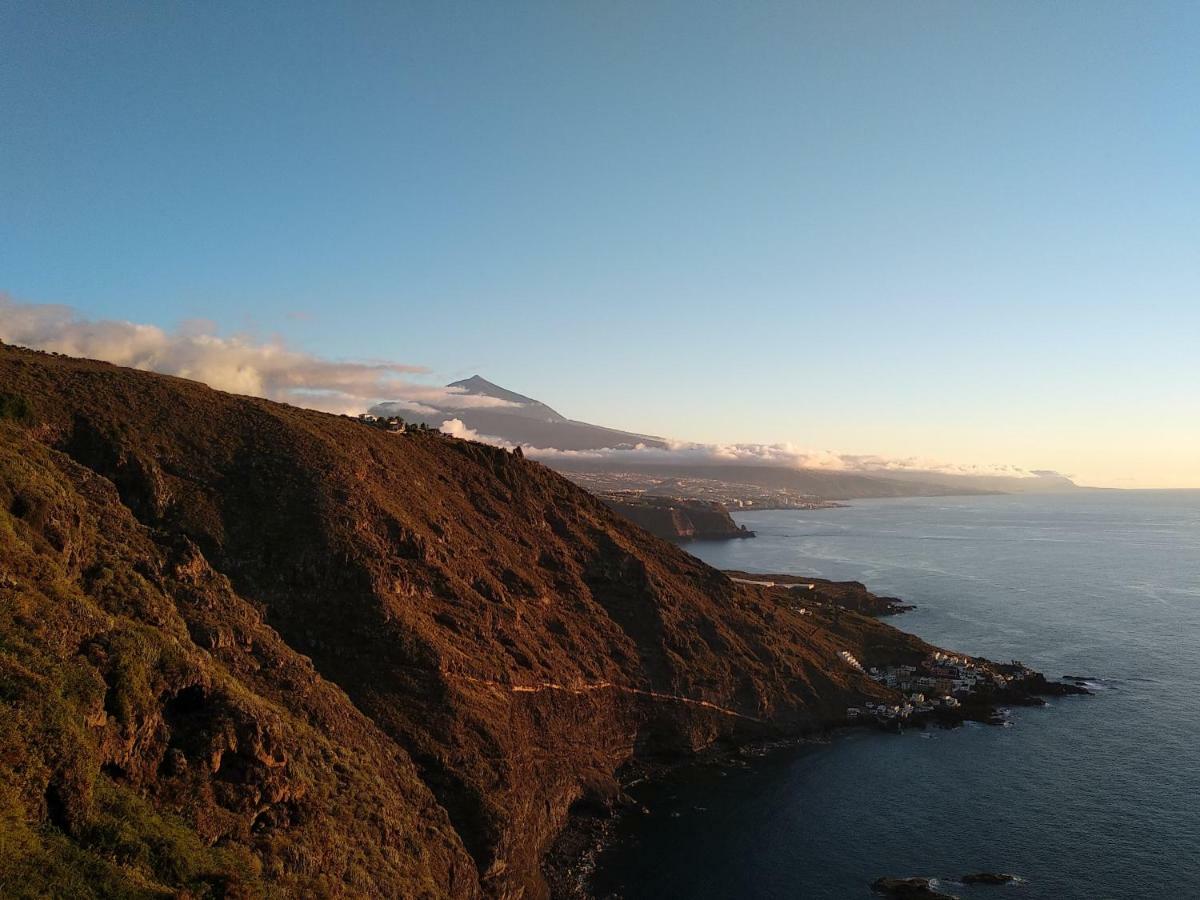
1086,798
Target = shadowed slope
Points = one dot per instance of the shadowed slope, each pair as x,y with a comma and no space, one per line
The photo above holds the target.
488,642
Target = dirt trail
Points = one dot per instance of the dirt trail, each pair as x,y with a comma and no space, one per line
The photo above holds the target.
600,686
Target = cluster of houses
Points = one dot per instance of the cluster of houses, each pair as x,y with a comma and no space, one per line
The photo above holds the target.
394,424
851,660
940,673
938,682
891,713
386,423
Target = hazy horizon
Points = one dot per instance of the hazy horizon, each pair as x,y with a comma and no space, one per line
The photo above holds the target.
960,234
241,364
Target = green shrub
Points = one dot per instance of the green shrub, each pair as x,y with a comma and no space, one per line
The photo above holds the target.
16,408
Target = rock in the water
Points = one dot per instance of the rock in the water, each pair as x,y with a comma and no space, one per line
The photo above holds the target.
988,878
909,889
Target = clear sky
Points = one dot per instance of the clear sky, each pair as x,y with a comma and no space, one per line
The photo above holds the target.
964,231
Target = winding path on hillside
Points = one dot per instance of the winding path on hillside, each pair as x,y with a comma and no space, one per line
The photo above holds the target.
585,688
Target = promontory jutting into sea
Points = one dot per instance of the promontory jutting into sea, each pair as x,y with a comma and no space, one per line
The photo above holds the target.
599,451
1098,586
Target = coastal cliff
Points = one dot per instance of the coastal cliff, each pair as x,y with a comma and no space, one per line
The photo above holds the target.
852,595
249,649
677,519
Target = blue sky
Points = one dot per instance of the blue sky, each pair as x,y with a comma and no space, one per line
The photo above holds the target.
963,231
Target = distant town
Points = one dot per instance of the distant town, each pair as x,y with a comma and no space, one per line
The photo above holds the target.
732,495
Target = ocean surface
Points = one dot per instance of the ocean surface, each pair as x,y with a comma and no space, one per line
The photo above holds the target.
1086,798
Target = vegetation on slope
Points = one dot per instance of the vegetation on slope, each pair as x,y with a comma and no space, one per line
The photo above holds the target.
248,649
137,764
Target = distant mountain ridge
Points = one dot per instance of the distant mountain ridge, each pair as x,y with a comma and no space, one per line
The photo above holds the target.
526,421
526,408
532,423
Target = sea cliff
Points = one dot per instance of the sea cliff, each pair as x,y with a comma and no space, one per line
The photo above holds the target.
248,649
677,519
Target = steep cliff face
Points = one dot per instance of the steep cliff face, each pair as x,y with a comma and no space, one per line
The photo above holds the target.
678,519
249,647
159,736
852,595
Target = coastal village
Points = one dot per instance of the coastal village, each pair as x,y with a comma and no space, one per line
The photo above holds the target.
930,686
394,424
936,687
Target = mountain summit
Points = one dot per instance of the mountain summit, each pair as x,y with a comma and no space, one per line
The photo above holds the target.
526,407
520,420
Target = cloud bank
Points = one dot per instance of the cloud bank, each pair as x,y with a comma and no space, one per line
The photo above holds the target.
239,364
242,364
459,429
784,455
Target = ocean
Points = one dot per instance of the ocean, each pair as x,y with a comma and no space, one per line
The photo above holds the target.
1088,798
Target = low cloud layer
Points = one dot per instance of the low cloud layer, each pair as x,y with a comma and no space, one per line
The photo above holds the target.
785,455
239,364
242,364
459,429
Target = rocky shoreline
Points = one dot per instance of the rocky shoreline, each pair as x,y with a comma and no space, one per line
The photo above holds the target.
569,864
322,626
919,888
571,860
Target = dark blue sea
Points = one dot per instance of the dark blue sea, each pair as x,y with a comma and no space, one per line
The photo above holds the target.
1087,798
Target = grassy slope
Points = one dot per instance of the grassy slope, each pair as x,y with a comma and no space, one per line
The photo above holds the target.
249,648
103,793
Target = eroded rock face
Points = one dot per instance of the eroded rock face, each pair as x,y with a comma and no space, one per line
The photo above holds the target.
325,658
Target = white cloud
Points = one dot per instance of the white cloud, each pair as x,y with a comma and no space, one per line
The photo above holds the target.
238,364
785,455
439,399
459,429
